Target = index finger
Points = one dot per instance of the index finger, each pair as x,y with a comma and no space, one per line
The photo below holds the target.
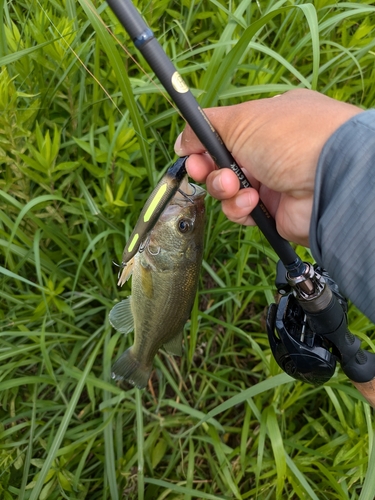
187,143
199,166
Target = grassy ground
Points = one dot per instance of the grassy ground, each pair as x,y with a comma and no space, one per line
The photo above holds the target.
84,135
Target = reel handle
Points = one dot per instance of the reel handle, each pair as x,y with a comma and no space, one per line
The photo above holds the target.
308,333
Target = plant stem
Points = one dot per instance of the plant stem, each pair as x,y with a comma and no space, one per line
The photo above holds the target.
140,443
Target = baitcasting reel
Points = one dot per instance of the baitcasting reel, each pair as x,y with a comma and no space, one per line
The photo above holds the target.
299,350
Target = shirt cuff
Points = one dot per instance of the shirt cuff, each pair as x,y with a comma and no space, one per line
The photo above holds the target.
342,229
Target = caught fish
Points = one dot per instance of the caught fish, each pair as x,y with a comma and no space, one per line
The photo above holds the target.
165,279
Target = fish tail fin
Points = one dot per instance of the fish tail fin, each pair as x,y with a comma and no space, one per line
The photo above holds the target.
128,368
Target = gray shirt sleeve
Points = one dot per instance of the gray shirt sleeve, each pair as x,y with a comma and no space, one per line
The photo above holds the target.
342,230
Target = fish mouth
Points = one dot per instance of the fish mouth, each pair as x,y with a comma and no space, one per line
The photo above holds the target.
199,191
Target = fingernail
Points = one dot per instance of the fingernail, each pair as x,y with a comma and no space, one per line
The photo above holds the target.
216,184
177,145
242,200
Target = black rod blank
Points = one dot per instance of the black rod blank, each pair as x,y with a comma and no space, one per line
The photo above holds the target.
171,80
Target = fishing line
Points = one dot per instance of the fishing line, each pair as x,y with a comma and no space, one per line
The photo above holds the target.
128,53
159,88
62,37
89,72
124,120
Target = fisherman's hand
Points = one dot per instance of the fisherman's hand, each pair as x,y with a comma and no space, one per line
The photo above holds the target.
277,142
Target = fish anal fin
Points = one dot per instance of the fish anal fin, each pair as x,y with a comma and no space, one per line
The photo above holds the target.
121,316
174,345
128,368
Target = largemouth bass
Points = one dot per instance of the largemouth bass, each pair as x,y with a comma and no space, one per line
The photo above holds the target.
165,280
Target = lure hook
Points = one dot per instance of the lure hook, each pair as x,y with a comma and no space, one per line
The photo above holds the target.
144,244
187,196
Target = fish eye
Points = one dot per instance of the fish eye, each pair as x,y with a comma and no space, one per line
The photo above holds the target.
183,226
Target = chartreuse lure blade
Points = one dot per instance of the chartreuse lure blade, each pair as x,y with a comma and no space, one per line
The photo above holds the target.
155,205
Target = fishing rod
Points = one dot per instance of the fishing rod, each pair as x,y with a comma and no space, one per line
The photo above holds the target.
308,329
172,81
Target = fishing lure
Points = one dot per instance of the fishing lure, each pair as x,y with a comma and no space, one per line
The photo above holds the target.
156,203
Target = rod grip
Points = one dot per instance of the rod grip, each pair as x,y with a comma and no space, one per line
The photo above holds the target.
367,389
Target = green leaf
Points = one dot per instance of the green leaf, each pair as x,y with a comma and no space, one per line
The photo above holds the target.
64,424
278,449
12,58
158,452
122,78
64,482
47,489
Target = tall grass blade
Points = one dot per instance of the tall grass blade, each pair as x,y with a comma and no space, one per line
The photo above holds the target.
368,489
59,436
140,444
117,65
221,421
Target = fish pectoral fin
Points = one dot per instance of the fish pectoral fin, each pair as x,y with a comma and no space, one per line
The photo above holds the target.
129,368
174,346
121,316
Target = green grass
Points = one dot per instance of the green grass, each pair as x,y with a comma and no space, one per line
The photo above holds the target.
84,136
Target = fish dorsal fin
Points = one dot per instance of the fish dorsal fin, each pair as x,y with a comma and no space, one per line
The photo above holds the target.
121,316
174,346
126,272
